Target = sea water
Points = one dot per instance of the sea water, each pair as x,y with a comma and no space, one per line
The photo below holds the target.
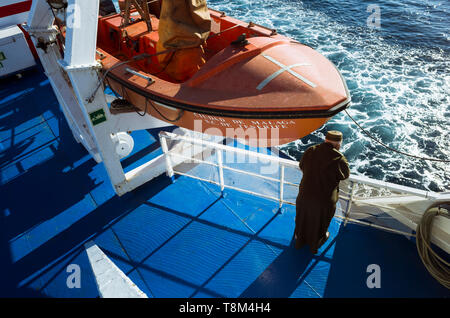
395,58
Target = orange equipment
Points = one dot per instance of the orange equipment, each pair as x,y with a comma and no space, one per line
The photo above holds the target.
244,81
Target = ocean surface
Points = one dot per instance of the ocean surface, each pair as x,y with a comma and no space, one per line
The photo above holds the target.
397,69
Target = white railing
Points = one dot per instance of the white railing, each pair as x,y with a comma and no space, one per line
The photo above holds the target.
220,149
182,152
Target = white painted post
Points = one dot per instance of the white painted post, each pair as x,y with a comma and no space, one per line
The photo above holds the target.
220,164
81,66
40,27
349,205
281,185
166,152
81,38
74,79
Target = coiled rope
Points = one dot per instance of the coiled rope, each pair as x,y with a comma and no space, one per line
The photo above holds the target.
390,148
436,266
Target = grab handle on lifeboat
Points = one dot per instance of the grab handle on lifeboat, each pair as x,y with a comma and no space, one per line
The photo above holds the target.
148,78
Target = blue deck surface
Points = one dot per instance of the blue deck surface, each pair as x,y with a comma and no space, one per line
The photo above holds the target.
180,239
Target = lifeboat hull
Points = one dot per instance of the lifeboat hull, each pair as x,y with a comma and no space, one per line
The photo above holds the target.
252,131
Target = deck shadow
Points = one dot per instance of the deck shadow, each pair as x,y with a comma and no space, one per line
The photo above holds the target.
282,277
402,274
54,251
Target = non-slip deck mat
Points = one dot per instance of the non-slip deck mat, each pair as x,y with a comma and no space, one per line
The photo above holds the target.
180,239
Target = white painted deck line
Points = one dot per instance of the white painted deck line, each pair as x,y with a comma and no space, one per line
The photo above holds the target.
111,281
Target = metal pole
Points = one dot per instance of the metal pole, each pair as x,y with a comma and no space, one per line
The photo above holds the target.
281,185
220,163
167,156
349,205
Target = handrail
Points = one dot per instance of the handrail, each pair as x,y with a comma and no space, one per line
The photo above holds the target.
392,186
287,162
354,179
294,164
352,198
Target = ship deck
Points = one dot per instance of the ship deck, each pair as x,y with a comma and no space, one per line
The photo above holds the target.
178,239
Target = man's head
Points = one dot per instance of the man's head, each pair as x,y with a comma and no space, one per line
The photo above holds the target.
334,137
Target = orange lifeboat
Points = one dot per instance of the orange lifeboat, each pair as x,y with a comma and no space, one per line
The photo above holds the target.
256,85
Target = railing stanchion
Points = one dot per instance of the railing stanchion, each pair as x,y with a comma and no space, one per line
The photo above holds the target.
177,155
220,164
167,156
349,205
281,184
